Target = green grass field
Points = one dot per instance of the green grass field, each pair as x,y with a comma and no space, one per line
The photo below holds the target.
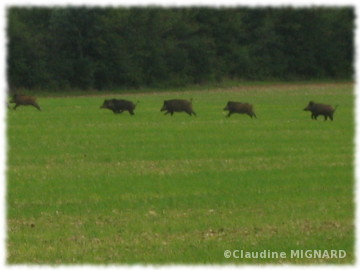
87,186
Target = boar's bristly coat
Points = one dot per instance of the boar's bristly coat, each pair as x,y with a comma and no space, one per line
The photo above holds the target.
119,105
178,105
238,107
317,109
24,100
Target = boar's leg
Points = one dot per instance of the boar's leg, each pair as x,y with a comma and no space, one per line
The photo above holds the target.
131,112
171,112
229,114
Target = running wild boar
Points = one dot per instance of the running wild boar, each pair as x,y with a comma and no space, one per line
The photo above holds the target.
238,107
178,105
317,109
119,105
24,100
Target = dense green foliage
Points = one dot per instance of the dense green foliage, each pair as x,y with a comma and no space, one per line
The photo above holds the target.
87,186
112,48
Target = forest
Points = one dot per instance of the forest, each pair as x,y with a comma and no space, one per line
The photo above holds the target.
88,48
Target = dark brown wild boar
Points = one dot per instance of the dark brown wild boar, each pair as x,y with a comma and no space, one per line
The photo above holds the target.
24,100
119,105
317,109
178,105
238,107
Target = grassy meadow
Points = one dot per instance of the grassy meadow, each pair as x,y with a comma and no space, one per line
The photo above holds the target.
86,186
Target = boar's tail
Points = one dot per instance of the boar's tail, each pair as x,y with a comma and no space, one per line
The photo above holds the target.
336,107
191,99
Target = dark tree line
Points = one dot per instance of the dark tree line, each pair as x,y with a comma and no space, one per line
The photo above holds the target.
110,48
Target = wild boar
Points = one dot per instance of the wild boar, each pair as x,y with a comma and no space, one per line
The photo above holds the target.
119,105
24,100
238,107
317,109
178,105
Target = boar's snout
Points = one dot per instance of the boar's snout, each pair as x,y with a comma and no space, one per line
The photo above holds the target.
164,107
309,106
105,105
